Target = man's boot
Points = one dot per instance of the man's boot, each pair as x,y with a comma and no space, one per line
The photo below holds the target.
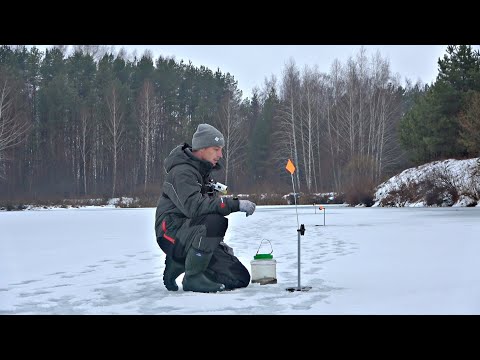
195,280
173,269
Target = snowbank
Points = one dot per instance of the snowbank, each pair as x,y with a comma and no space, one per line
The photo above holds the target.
442,183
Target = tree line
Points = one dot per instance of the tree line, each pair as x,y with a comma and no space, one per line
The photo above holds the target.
96,123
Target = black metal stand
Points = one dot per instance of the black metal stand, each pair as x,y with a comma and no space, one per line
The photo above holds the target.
300,232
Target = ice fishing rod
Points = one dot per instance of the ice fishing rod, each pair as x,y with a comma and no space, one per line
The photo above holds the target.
300,230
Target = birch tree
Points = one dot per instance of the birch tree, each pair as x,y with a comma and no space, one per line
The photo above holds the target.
84,143
289,114
115,126
13,123
309,97
387,112
368,113
321,127
231,126
335,92
148,118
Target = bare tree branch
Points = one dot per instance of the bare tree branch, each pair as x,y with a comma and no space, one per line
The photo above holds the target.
115,127
13,125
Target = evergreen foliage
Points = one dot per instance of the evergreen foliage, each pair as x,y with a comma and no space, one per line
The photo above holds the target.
96,123
431,129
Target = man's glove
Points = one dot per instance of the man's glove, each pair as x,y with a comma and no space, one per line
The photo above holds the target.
247,206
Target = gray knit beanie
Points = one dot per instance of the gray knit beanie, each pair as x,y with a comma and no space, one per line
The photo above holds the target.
206,136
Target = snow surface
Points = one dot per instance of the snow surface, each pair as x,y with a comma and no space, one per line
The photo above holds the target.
105,260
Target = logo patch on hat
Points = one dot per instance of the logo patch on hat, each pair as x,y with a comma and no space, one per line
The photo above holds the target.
217,138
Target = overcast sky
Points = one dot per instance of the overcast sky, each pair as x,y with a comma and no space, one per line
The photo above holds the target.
250,64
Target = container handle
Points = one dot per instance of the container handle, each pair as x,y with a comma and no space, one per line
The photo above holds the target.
261,245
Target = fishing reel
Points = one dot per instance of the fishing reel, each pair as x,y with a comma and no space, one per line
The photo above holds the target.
217,186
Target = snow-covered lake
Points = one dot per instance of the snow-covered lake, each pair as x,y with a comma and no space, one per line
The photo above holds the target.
364,261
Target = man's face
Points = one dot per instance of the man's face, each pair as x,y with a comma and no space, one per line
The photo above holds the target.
211,154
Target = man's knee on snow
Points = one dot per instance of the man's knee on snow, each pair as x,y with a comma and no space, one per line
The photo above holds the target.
227,269
206,244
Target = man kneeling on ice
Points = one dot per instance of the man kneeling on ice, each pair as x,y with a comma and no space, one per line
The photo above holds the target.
190,221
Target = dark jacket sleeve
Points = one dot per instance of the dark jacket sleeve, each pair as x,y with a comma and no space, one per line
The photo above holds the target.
183,186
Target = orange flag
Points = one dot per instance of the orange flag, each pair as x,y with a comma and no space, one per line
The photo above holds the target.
290,167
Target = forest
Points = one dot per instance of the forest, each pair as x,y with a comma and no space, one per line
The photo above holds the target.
93,123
